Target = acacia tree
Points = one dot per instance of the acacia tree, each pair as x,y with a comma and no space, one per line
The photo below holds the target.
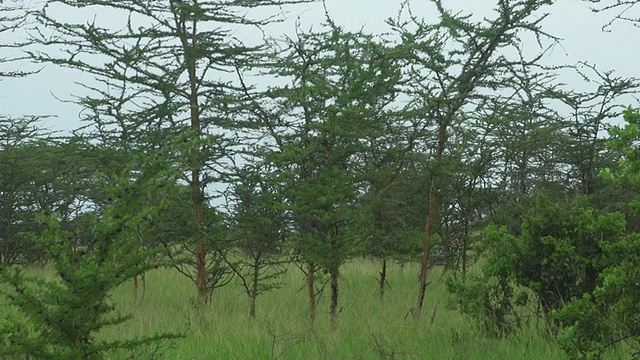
259,228
456,63
59,318
19,167
392,208
340,84
583,141
466,196
392,163
160,73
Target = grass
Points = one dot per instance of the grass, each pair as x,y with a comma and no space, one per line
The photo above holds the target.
368,328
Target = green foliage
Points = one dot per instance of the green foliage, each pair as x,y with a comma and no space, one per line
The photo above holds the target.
611,313
493,302
59,317
560,252
38,173
557,258
492,298
258,230
341,83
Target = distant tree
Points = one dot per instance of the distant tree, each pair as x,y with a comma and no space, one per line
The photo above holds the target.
465,198
259,229
583,145
19,172
393,209
393,169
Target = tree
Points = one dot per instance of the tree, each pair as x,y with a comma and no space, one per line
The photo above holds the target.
38,173
160,75
455,63
15,163
59,318
259,229
393,210
583,141
340,84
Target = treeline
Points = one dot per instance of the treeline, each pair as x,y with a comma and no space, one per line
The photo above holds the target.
443,143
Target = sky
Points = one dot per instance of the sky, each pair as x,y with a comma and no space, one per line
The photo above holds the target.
50,91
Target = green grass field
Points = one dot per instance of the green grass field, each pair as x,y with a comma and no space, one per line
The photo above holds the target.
368,328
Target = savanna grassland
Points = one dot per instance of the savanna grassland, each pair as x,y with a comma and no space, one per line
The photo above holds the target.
368,328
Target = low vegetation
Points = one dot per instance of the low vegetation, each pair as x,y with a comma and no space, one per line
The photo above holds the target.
368,328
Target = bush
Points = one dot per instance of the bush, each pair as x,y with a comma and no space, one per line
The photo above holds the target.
558,256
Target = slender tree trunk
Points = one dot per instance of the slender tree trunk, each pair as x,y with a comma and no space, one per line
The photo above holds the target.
201,253
311,272
252,308
334,273
428,228
383,277
424,268
383,272
465,246
190,47
333,310
254,288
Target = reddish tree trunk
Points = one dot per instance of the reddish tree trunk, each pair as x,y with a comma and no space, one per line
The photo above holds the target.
426,246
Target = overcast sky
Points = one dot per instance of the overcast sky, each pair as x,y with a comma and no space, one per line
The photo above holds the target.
571,20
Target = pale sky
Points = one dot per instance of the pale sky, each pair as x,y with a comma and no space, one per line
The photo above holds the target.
570,20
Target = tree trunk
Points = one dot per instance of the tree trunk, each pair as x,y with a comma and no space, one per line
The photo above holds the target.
424,268
428,228
333,310
465,246
312,291
335,274
254,288
334,296
190,48
383,277
383,272
201,254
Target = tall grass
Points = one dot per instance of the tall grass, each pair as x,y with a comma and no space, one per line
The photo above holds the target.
368,327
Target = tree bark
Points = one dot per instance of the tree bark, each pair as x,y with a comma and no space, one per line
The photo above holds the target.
255,279
311,270
428,228
383,277
190,47
424,268
335,274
